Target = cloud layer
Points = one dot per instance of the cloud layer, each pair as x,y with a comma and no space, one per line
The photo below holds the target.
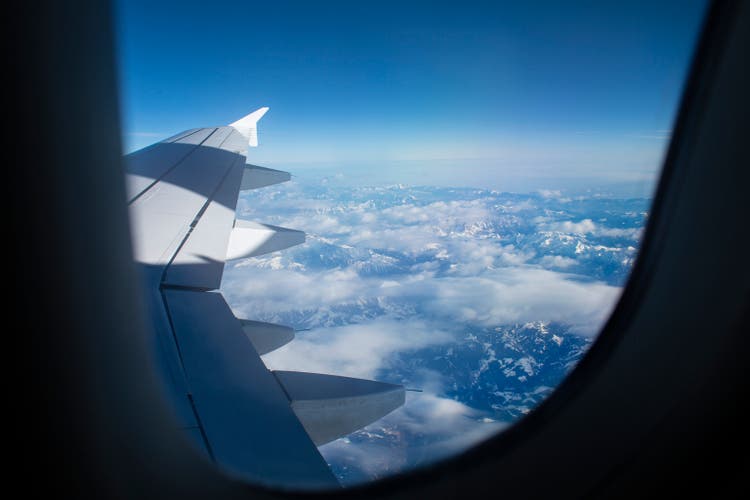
395,278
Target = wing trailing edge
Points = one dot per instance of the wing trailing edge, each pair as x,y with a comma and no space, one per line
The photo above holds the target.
266,337
254,177
331,406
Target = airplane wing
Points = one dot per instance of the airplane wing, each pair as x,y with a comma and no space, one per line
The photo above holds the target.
256,424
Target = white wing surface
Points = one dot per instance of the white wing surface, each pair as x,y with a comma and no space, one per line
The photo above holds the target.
254,423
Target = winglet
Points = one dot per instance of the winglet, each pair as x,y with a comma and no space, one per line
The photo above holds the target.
248,126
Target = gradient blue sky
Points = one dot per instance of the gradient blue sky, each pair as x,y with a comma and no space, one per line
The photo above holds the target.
462,93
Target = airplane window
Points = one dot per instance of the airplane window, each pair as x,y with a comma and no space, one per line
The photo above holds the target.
472,184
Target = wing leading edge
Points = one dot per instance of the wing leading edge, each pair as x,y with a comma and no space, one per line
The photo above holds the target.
256,424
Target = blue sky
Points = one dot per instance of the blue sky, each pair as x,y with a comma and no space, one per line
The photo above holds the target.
467,93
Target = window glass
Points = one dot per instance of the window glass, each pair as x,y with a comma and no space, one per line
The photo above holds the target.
473,179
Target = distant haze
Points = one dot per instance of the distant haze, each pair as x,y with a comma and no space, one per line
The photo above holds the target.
482,94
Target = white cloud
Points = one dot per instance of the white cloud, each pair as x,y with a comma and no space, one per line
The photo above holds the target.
550,193
520,295
358,350
506,295
445,426
260,292
557,261
487,281
376,282
588,226
583,227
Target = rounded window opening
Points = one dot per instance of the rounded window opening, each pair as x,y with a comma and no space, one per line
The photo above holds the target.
468,191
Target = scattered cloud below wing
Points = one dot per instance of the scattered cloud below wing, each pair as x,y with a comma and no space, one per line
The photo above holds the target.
507,295
520,295
356,350
443,427
588,226
391,271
